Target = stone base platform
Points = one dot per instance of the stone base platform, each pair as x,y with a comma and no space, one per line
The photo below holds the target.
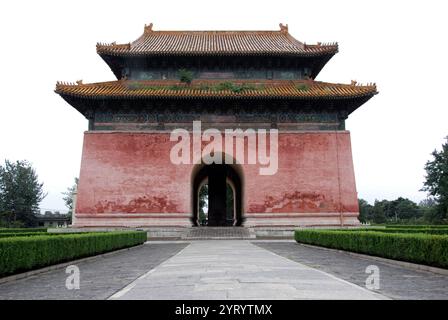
201,233
215,233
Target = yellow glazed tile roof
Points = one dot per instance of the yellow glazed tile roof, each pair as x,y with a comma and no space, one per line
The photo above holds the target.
215,89
216,43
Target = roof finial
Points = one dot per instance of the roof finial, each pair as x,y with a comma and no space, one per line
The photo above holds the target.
354,83
79,82
283,28
148,28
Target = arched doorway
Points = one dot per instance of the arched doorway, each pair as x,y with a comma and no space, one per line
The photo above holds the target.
224,188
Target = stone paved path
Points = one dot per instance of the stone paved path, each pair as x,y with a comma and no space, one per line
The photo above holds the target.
396,282
237,269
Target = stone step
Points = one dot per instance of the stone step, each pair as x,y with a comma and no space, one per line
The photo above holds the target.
197,233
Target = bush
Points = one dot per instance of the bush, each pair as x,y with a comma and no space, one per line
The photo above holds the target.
33,234
418,226
5,221
185,76
418,248
234,87
19,254
441,231
417,230
27,230
22,234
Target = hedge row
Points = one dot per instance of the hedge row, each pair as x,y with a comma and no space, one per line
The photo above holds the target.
15,230
402,230
19,254
33,234
418,226
418,248
421,230
22,234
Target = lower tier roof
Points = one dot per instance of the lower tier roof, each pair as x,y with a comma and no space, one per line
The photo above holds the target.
215,89
213,97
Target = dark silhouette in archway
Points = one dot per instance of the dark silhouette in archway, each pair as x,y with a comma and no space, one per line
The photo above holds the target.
217,177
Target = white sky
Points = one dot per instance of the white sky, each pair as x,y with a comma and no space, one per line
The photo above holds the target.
400,45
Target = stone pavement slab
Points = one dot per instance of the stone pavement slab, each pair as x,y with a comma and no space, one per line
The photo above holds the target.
237,269
396,282
99,278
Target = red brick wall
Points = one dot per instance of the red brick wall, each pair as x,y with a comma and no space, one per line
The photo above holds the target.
127,179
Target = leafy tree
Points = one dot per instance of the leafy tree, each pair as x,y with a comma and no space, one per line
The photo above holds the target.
203,202
436,183
388,208
429,208
396,210
432,215
427,203
401,210
229,202
378,211
365,211
20,193
68,196
406,209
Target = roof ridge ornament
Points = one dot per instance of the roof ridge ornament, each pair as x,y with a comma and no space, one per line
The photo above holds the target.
283,28
148,28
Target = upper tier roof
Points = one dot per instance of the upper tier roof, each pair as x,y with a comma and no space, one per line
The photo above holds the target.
216,43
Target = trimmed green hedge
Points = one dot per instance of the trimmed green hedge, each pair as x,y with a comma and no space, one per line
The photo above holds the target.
439,231
33,234
22,234
420,230
418,226
16,230
418,248
19,254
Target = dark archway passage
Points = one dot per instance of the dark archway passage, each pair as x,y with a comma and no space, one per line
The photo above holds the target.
221,211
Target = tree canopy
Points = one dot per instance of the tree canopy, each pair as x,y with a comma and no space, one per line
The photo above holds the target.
68,196
400,209
20,193
203,203
436,183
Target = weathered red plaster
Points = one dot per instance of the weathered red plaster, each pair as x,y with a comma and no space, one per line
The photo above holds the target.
127,179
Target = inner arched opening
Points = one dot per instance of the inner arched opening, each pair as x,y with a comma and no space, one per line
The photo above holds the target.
217,196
